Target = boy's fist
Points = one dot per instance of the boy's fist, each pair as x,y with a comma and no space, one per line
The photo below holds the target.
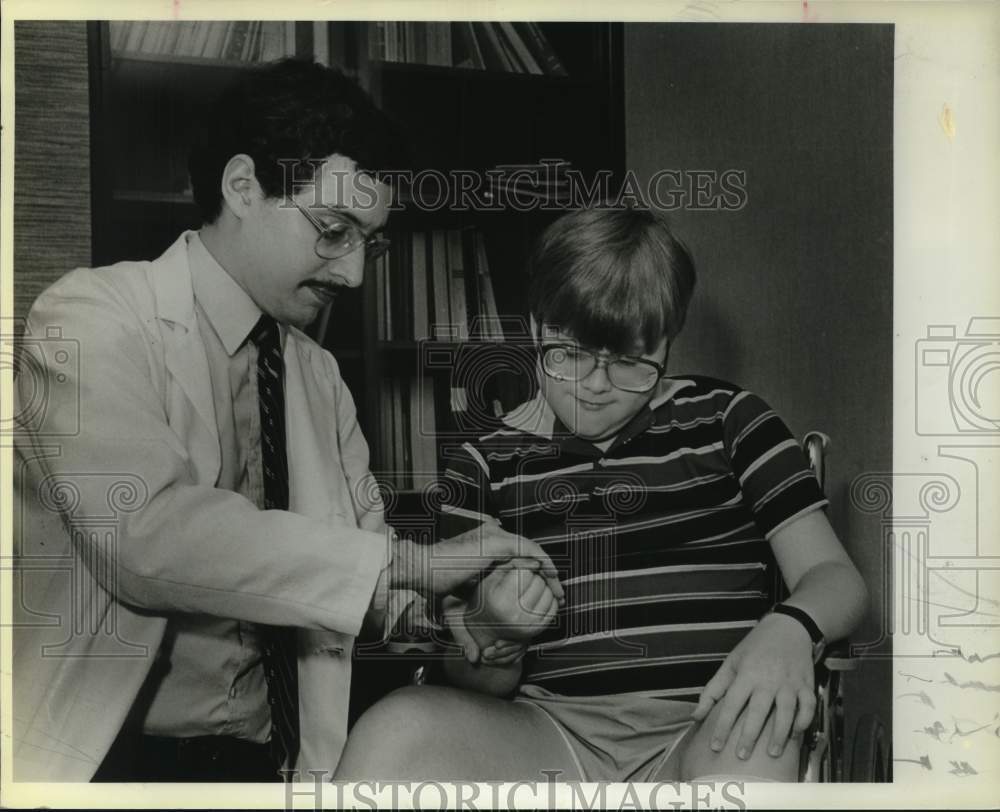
512,603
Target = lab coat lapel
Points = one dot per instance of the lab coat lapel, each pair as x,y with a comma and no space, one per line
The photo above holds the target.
191,411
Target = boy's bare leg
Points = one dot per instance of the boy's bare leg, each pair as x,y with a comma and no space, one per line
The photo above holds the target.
699,760
432,732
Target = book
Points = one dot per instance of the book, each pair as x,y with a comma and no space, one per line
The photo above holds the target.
136,34
376,39
416,447
387,443
438,37
427,422
489,46
387,294
516,66
380,326
521,48
421,315
456,286
117,34
541,49
465,48
185,40
399,439
150,34
172,34
406,446
273,46
490,324
202,30
237,37
251,41
392,42
215,40
439,275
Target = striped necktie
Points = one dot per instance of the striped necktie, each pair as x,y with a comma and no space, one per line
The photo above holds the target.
280,664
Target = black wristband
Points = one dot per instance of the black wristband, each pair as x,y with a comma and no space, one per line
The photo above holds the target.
802,617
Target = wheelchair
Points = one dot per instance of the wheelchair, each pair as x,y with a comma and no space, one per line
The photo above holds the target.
824,743
822,757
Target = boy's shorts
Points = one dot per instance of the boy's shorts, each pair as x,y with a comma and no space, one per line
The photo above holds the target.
620,737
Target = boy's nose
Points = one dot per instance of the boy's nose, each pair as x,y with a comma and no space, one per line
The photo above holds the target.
597,381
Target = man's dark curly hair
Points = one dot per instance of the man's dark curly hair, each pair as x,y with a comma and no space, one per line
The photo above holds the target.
291,110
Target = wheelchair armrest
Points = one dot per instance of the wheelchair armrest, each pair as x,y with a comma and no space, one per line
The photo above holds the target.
837,657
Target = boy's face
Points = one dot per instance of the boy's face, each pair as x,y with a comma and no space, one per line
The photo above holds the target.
283,273
592,407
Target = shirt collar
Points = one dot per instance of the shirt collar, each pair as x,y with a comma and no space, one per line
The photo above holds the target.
228,308
536,416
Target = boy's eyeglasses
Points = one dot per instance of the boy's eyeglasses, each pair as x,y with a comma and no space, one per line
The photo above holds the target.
568,362
342,238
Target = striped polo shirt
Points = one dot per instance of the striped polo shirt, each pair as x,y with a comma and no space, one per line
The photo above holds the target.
660,541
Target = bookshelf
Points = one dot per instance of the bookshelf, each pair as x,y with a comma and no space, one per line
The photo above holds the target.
473,117
471,96
479,97
149,83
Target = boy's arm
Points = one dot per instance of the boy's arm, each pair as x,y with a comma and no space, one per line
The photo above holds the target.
510,603
495,680
773,665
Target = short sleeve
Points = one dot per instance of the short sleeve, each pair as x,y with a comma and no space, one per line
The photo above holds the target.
466,501
773,472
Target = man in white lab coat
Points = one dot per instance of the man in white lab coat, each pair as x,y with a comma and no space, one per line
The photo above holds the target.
159,579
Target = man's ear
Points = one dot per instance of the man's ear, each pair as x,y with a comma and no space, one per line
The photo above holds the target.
240,187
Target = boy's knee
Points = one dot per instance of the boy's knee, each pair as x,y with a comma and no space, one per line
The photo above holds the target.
700,761
390,733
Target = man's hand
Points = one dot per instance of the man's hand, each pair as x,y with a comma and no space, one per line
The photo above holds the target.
771,667
441,568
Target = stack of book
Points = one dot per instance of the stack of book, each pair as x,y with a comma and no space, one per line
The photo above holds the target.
234,41
546,182
433,285
499,46
407,453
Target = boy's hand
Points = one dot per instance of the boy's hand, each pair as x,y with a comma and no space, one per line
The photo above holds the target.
504,652
515,603
478,644
453,611
771,667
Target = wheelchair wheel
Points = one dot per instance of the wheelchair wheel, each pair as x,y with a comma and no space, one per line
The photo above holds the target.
871,753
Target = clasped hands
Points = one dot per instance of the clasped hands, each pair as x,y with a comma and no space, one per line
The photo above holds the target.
517,598
514,603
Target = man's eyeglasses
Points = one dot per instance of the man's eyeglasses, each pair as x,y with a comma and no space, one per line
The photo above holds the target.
342,238
568,362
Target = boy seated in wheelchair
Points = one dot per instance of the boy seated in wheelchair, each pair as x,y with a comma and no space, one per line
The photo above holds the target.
671,505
